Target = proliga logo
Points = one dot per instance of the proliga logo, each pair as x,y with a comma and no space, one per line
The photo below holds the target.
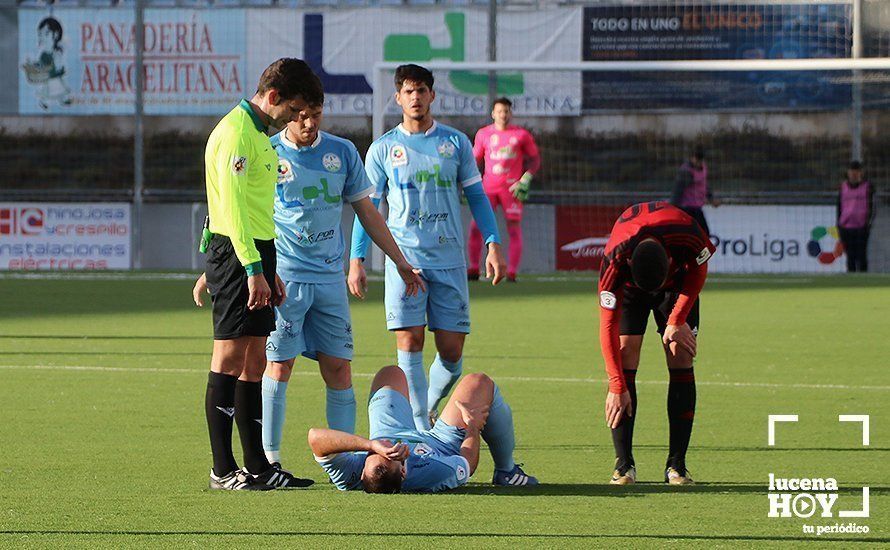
21,221
825,244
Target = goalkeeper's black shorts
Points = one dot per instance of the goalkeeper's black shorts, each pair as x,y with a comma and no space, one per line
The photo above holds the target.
227,282
637,304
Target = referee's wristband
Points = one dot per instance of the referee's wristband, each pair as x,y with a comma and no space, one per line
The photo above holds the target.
256,268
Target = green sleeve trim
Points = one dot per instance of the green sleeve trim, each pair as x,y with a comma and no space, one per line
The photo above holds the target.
255,268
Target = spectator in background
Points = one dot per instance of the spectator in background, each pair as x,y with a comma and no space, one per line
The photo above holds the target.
855,213
691,191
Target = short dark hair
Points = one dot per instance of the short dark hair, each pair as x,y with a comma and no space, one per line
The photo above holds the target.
699,151
649,265
413,73
503,101
383,480
856,165
292,78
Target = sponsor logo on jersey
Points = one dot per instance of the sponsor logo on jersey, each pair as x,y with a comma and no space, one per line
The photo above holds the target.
608,300
331,162
446,149
285,171
239,165
398,156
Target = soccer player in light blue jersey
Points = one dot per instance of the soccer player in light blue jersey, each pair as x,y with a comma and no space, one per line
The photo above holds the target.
400,458
422,167
317,173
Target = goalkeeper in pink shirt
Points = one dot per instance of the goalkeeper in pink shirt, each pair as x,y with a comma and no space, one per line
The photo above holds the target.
511,159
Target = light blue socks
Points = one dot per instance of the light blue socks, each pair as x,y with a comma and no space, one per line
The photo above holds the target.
411,363
498,433
443,375
274,405
340,409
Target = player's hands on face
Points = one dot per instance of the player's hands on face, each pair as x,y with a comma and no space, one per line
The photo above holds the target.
199,290
413,281
495,265
387,449
259,292
618,405
357,281
474,418
682,336
280,292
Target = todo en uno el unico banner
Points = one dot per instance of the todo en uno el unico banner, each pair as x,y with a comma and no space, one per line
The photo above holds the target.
714,31
81,61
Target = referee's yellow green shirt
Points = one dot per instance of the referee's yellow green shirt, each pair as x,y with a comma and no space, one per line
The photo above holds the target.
241,170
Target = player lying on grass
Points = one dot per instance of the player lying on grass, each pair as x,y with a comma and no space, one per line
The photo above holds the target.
655,261
400,458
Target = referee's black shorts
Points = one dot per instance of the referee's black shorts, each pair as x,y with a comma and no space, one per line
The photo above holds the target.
637,304
227,282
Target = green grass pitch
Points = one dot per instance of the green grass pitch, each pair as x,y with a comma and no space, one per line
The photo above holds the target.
103,441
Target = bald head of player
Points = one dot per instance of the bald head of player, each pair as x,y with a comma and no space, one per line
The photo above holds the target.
649,265
382,475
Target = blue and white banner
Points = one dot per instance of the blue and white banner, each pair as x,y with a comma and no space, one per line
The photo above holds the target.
64,236
775,239
344,45
81,61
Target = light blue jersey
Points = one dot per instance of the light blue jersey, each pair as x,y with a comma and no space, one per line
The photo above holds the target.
427,470
313,184
422,176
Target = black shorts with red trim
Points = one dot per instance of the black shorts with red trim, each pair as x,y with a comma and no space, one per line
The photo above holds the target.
637,304
227,282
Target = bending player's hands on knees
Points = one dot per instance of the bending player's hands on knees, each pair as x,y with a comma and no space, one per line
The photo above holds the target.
681,335
618,405
413,281
357,281
199,289
385,448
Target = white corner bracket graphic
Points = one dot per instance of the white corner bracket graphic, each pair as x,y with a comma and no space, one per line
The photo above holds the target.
857,418
857,513
773,418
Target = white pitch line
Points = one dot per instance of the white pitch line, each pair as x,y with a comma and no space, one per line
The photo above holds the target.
159,370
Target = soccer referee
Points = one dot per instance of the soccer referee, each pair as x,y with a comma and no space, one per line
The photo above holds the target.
241,174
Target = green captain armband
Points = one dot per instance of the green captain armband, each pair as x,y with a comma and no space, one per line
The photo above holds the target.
256,268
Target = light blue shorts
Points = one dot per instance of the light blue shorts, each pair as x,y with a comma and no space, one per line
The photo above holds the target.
313,318
444,306
390,417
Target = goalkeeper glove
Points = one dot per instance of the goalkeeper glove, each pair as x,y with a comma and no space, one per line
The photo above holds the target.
520,188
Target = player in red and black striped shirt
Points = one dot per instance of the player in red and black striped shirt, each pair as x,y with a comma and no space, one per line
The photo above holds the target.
655,261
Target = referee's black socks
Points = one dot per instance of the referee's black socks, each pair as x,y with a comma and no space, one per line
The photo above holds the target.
249,417
681,413
623,435
219,405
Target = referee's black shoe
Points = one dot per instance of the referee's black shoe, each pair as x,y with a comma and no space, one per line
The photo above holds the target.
279,478
237,480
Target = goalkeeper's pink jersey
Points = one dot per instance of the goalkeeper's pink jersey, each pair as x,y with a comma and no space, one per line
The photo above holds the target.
507,154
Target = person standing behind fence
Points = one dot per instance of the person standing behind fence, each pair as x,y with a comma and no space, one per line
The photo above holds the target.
855,213
691,192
